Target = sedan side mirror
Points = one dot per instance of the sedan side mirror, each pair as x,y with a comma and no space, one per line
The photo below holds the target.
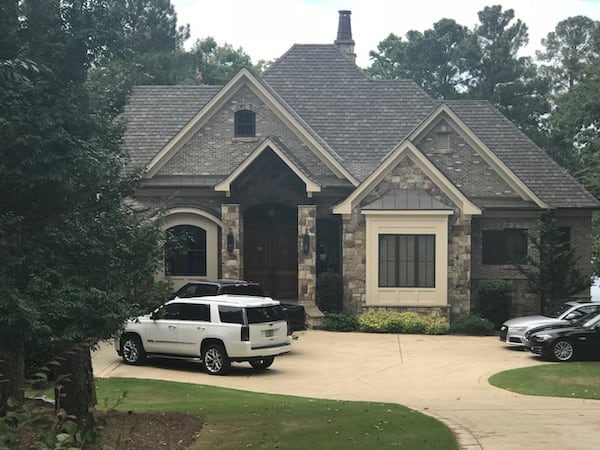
572,316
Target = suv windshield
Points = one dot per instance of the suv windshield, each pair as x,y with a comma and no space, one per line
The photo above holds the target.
265,314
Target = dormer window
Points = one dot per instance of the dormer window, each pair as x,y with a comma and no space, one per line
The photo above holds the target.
245,123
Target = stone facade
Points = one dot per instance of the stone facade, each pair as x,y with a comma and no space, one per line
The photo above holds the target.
215,150
307,251
407,175
232,261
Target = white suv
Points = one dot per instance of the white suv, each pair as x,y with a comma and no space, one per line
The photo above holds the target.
216,329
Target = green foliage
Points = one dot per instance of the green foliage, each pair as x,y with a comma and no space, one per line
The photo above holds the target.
72,254
494,300
472,325
329,295
340,322
451,61
573,380
281,421
217,64
555,276
401,322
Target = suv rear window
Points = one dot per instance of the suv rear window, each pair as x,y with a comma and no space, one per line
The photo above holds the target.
265,314
231,314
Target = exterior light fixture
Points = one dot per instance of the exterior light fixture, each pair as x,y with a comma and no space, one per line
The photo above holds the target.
230,241
306,243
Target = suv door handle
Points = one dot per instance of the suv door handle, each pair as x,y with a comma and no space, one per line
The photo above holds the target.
200,328
172,327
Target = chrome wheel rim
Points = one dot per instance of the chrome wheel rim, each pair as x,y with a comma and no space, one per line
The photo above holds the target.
563,350
130,351
213,360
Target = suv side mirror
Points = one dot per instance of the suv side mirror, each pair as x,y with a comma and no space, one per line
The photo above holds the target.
572,316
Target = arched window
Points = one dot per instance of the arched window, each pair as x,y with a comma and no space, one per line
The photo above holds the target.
185,251
245,123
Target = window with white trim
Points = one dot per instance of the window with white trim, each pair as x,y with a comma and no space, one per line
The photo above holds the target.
407,260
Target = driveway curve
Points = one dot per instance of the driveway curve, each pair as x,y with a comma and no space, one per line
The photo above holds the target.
443,376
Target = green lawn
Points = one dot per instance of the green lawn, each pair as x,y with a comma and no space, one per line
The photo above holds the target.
239,419
578,380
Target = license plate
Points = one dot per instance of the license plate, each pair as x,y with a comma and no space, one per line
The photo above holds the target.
269,333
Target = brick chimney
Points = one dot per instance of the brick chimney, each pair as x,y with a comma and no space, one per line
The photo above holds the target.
344,39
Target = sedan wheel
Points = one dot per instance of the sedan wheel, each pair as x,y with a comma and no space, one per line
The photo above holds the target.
132,350
262,363
562,350
215,359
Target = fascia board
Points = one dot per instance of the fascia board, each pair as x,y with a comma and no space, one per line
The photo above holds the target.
225,185
403,150
443,111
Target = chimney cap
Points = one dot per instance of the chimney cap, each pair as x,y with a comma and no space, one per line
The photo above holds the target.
344,34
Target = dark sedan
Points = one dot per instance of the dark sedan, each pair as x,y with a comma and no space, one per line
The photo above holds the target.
568,343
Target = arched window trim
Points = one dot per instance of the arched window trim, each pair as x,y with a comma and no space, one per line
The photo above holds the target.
245,123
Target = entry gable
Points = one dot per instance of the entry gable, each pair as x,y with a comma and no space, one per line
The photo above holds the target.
286,157
407,149
444,113
282,111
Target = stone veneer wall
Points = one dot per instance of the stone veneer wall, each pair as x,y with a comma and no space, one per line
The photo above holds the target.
307,276
232,263
407,175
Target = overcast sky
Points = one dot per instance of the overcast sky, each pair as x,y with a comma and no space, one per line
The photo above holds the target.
265,29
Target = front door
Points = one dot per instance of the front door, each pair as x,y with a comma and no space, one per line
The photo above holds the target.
270,249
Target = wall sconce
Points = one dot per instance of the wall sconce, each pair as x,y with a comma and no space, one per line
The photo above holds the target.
230,241
306,243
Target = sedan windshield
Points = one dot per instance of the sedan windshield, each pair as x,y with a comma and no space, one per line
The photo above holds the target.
561,310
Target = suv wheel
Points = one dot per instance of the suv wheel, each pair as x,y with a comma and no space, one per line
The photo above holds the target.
132,350
215,359
262,363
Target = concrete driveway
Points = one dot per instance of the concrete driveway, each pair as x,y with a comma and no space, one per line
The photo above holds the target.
443,376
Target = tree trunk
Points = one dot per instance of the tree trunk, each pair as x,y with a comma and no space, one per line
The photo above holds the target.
75,390
12,378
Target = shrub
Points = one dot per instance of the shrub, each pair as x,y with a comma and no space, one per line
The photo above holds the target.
401,322
494,301
340,322
329,293
472,325
436,324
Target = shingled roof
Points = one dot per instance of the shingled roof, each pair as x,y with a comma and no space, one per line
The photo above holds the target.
553,184
358,119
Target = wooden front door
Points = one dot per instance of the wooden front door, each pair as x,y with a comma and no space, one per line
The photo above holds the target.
270,250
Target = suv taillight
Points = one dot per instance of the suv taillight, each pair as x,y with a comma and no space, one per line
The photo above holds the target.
289,328
245,334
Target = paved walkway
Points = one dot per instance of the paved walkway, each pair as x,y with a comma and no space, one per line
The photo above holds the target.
443,376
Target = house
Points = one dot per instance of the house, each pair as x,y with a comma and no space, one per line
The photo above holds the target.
314,166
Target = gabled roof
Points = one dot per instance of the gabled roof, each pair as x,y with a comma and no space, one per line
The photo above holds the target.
349,121
553,184
479,146
360,118
277,147
407,149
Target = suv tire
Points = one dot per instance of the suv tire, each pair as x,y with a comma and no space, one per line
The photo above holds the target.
215,359
262,363
132,349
